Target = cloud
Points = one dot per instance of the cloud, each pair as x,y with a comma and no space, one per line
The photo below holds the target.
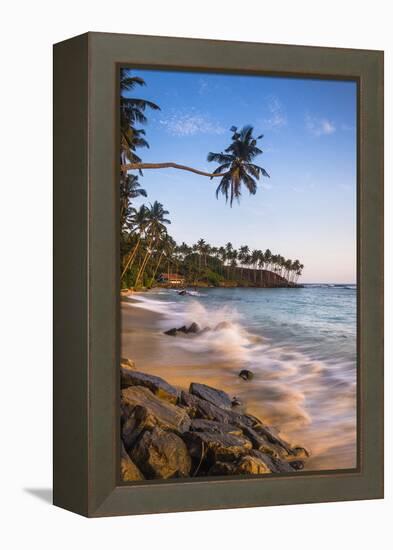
319,126
191,124
277,117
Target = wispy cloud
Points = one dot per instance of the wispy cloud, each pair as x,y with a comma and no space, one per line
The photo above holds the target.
319,126
277,117
190,124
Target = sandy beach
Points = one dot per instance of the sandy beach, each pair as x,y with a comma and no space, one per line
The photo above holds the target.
144,341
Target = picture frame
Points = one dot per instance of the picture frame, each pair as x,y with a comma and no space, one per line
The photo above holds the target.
86,274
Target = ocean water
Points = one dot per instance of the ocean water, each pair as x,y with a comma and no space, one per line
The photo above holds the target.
301,345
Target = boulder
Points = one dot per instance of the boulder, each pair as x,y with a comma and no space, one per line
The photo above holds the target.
210,447
252,465
217,397
128,470
272,438
300,452
201,425
126,363
236,402
161,455
246,374
157,385
158,412
135,424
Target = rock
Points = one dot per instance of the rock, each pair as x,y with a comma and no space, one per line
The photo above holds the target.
222,325
217,397
161,455
154,383
134,425
271,438
246,374
126,363
204,330
300,452
159,412
182,329
275,465
252,465
128,470
200,425
193,328
297,464
236,402
210,447
171,332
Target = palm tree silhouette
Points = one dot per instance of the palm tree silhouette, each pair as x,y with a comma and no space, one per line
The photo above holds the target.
237,161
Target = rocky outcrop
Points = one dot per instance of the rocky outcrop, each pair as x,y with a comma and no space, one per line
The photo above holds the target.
169,434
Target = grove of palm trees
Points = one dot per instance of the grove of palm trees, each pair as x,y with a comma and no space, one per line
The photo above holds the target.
146,247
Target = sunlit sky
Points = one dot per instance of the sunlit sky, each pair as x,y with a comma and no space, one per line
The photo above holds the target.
306,210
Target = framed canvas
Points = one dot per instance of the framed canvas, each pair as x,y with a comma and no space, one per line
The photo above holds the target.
218,274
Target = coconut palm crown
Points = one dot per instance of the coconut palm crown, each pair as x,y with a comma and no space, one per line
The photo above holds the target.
238,162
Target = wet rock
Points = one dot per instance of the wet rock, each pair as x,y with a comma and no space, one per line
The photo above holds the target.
161,455
128,470
182,329
297,464
193,328
135,424
246,374
272,438
200,425
212,447
157,385
253,466
217,397
159,412
171,332
126,363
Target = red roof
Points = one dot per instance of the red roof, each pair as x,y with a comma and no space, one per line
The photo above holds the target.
171,276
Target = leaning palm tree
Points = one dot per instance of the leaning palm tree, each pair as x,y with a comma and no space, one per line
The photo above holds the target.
138,221
237,161
157,221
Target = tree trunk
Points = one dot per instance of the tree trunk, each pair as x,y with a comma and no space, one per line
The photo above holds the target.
155,165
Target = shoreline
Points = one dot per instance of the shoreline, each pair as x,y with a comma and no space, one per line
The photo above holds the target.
155,353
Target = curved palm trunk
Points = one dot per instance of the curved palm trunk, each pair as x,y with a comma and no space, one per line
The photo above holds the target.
156,165
145,260
131,258
157,266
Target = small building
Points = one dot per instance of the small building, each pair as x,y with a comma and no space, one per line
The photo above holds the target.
171,279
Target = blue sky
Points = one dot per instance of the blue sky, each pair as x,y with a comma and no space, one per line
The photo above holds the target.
306,210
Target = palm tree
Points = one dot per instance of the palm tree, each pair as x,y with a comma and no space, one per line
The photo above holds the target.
237,161
130,188
132,111
157,221
139,220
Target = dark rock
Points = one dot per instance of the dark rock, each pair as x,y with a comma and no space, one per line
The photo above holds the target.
217,397
129,471
271,438
193,328
126,363
159,412
215,446
200,425
133,426
161,455
182,329
297,464
171,332
157,385
246,374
